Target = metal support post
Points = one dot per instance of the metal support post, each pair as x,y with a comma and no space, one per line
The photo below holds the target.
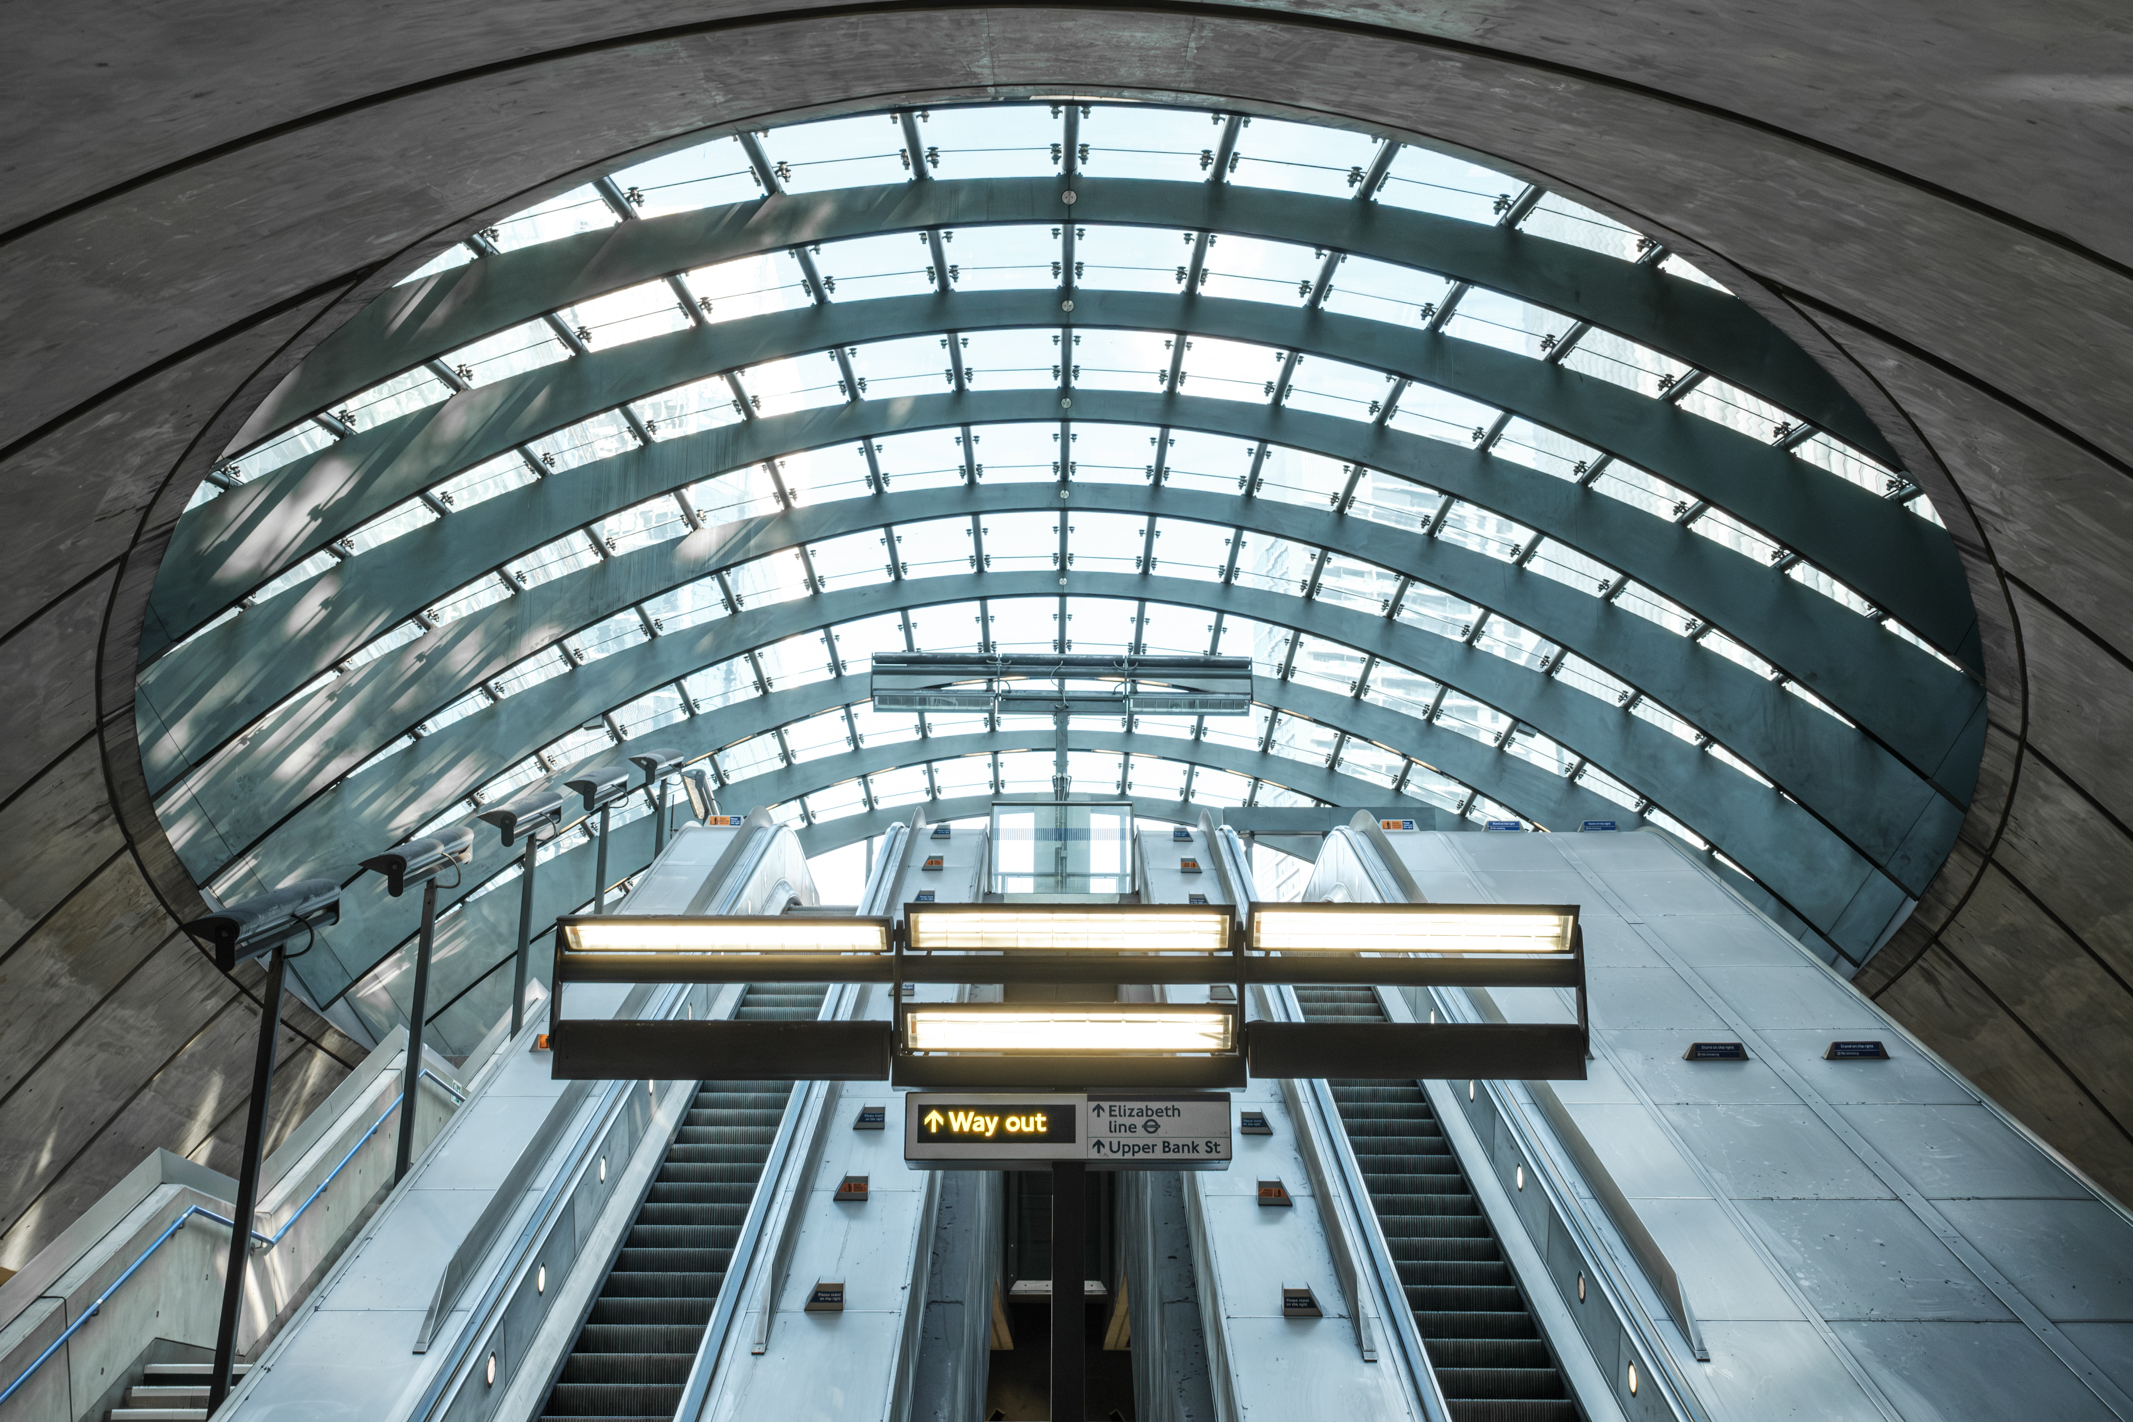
1070,1314
659,826
600,866
255,1130
411,1074
525,933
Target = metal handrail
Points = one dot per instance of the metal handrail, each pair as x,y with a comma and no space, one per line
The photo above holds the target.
259,1241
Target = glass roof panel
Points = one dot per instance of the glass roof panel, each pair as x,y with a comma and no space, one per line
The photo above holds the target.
507,353
1472,526
484,591
1252,269
1105,542
1024,624
1017,453
1640,490
1301,158
1115,258
1219,788
686,409
747,492
1112,454
749,286
1190,550
1215,464
1006,140
552,560
1389,499
854,560
402,395
1229,370
884,728
1524,442
1013,359
1099,624
603,639
923,459
654,521
1121,360
486,480
1622,361
707,175
963,775
1021,542
1274,564
838,153
1436,182
1170,630
752,756
1381,291
721,684
1025,773
1239,732
1367,760
1175,727
1296,738
601,437
1592,680
786,387
936,546
1350,582
1560,220
1677,265
655,710
836,802
914,365
945,627
1293,476
768,580
868,268
1333,387
1438,414
1736,409
391,524
1265,644
1398,689
1506,322
450,258
799,660
1004,257
1515,643
285,448
1153,777
577,745
303,572
893,789
579,210
857,641
1143,141
1328,666
1435,610
817,736
632,314
820,476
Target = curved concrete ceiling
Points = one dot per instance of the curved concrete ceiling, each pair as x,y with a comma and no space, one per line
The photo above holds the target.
196,205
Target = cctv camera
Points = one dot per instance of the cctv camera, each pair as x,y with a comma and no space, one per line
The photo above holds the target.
536,813
258,926
420,859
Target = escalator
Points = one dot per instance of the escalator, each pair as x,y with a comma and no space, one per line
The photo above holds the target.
1483,1342
632,1357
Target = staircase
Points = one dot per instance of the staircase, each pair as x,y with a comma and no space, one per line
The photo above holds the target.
169,1392
632,1358
1483,1344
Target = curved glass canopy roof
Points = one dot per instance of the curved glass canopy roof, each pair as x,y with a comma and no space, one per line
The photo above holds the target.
1518,515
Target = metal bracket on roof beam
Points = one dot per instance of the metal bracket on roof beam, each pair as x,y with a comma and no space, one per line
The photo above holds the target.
1380,167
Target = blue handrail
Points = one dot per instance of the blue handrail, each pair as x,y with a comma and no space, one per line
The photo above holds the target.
266,1240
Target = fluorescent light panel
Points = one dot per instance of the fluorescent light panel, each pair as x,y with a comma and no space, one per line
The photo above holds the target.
726,935
1064,928
1067,1029
1407,928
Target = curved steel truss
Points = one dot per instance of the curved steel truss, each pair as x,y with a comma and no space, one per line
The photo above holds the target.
1517,516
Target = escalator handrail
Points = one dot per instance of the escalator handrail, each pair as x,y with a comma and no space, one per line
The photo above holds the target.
1328,1140
749,1242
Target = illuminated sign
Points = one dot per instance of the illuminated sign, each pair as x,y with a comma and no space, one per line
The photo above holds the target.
1592,826
933,861
1188,866
1715,1052
1505,826
1396,825
723,821
1856,1052
1111,1130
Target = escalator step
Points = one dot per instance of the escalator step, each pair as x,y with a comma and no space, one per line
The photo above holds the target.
1489,1356
631,1359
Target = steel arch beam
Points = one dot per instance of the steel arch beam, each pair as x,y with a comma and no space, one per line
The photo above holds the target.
1840,774
1904,563
234,806
1709,329
225,678
374,926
